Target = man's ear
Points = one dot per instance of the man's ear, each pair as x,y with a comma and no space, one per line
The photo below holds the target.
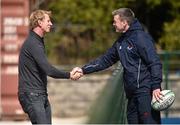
125,22
39,22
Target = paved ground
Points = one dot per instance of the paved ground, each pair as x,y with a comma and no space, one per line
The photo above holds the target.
56,121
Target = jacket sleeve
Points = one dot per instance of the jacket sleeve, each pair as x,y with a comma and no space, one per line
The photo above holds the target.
39,55
150,57
103,62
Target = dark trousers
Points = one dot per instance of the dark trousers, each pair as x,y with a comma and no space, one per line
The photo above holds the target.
139,111
37,106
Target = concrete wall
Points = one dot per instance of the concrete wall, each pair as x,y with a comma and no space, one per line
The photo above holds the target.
73,98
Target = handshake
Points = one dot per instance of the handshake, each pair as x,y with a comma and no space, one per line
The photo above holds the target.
76,73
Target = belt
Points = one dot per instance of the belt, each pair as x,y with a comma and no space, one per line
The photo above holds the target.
34,93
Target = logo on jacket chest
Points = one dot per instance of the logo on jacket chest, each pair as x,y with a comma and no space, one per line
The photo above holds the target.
129,47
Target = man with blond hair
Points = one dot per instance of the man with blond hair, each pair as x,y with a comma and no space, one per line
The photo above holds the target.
34,69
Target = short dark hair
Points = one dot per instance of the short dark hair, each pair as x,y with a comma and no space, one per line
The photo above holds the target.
125,14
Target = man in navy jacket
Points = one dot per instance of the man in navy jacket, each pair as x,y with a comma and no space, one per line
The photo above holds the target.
142,67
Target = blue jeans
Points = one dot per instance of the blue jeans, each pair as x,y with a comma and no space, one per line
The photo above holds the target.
37,106
139,111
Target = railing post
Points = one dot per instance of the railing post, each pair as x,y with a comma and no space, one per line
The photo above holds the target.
166,74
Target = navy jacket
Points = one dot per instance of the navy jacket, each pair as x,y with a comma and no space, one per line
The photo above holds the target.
137,54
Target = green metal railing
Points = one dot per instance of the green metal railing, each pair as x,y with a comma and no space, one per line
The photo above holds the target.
165,56
169,60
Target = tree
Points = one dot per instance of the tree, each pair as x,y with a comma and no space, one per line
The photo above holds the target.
170,39
83,28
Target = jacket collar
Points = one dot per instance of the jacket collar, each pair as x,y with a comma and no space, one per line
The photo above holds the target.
135,25
41,39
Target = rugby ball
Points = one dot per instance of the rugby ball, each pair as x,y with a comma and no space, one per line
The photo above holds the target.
166,100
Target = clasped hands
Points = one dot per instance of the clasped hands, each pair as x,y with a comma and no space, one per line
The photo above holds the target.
76,73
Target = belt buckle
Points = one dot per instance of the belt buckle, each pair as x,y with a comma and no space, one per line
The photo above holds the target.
35,94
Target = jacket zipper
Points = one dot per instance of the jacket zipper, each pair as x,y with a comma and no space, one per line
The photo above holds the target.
139,70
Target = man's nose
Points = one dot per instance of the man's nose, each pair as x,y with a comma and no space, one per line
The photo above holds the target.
50,24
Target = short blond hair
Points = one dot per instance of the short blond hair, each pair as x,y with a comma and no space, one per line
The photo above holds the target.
37,15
